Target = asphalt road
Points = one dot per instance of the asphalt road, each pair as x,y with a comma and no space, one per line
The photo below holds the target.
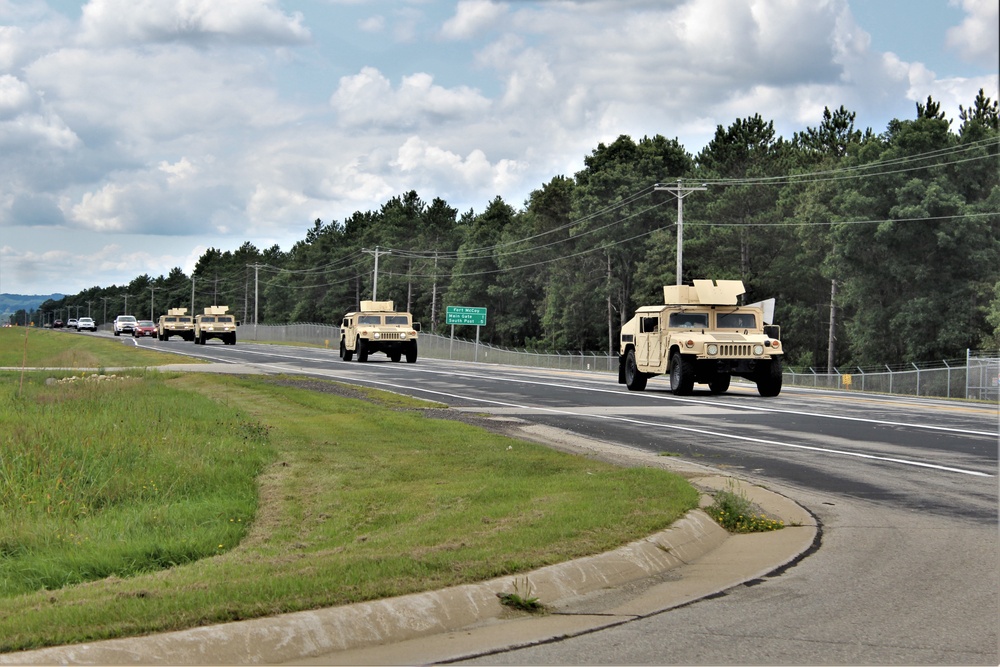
906,490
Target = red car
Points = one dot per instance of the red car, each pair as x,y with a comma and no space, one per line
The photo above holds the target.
144,328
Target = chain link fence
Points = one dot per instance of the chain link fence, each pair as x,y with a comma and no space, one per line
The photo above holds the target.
977,376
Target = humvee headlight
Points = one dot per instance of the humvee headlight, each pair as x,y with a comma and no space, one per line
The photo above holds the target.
712,349
402,336
375,335
758,349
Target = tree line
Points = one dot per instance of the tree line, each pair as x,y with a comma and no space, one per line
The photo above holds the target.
879,248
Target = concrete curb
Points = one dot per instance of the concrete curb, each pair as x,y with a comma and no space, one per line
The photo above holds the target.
583,595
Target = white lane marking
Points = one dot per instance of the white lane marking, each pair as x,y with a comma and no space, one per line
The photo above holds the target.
673,399
757,408
687,429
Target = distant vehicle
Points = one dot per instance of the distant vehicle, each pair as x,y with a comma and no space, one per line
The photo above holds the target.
175,323
86,324
144,328
124,324
215,323
71,323
377,327
58,324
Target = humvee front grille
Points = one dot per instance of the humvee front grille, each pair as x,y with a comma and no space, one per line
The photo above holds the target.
390,336
735,350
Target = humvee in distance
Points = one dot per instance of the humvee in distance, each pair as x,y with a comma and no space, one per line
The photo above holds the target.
175,323
377,327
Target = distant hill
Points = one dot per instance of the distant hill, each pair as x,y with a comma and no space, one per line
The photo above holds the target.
11,303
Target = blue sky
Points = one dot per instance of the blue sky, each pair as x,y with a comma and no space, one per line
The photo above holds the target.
135,134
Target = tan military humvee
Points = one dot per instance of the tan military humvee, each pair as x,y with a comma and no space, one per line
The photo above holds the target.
175,323
215,323
701,335
377,327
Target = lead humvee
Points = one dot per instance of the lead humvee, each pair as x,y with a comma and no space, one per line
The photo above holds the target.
377,327
702,335
215,322
175,323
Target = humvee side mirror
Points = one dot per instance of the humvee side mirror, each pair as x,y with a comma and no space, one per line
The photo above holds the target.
416,326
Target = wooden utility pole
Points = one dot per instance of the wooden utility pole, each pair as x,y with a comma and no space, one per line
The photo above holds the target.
832,341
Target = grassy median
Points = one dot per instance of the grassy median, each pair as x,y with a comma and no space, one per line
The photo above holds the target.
157,502
45,348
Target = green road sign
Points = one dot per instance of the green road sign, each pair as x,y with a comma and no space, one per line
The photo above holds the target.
465,315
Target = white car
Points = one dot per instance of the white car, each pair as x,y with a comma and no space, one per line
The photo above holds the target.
125,324
86,324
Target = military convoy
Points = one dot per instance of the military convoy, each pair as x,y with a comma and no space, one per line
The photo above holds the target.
377,327
215,322
701,335
175,323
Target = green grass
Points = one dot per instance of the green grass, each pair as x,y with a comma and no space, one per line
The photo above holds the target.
165,501
44,348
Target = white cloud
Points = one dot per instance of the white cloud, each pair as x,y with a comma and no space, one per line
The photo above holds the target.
977,39
155,95
182,170
367,99
10,37
430,163
108,22
372,24
470,17
15,96
27,123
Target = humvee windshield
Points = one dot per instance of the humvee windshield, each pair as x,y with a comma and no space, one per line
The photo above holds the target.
207,318
370,319
736,321
688,320
396,319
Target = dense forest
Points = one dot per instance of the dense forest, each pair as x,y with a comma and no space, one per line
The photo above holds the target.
879,248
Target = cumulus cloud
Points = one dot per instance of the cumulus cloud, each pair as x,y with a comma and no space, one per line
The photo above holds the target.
26,122
368,99
438,165
977,39
128,100
107,22
470,17
15,96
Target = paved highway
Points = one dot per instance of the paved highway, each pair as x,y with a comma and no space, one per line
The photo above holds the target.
906,491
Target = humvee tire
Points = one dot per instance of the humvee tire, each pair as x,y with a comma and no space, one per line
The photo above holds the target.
769,379
362,348
720,384
634,380
681,375
411,353
345,354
